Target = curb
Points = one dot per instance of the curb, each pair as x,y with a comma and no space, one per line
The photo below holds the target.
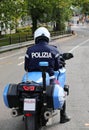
28,43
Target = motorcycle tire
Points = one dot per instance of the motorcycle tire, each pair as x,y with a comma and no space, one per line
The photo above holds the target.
31,123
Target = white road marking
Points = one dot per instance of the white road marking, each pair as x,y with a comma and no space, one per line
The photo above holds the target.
21,57
1,58
21,63
79,45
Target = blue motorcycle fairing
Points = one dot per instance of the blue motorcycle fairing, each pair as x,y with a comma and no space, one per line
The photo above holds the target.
5,95
58,93
37,77
61,76
58,97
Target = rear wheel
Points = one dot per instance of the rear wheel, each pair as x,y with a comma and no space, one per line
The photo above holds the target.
31,123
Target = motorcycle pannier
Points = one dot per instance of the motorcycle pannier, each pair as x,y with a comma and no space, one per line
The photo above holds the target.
10,96
55,97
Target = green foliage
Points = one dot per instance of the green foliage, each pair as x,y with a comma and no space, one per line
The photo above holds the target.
41,11
61,13
11,11
84,4
24,29
49,10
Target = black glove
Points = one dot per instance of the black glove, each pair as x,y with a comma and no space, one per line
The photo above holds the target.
62,62
52,81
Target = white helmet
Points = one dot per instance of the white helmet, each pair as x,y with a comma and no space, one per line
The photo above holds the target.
42,32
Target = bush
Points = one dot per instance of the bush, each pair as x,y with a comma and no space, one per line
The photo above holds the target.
24,29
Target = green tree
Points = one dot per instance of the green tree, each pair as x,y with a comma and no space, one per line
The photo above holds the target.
84,4
49,10
42,11
61,13
85,7
11,11
39,10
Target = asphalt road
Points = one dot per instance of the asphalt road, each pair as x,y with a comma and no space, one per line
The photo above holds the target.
12,70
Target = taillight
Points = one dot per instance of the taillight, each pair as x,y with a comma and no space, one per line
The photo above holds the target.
29,88
28,114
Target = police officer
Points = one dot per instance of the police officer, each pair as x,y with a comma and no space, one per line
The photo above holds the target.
42,51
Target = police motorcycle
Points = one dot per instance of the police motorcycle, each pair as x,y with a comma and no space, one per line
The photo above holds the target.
35,98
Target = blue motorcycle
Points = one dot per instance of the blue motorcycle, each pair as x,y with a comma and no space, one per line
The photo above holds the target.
35,98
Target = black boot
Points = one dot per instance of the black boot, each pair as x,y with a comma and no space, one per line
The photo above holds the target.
63,116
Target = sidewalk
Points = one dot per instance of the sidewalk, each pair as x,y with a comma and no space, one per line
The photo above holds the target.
28,43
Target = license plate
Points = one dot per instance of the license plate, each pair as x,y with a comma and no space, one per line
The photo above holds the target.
29,104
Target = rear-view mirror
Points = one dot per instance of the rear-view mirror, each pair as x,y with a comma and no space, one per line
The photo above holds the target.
67,56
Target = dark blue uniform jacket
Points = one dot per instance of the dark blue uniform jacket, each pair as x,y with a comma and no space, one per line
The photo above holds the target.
42,51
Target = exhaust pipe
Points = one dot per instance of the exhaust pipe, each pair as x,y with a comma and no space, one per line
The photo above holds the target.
16,112
49,114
